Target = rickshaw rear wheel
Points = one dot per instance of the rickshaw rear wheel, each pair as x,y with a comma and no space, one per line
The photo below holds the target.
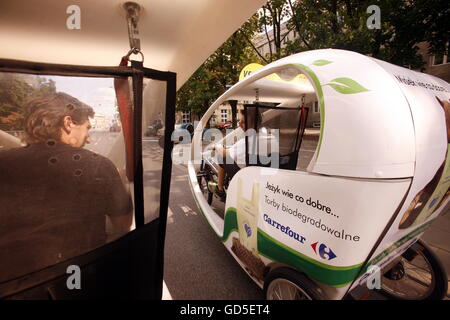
418,268
287,284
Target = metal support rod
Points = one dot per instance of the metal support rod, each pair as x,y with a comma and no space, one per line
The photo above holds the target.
133,10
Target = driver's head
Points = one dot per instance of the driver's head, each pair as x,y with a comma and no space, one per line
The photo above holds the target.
58,117
247,119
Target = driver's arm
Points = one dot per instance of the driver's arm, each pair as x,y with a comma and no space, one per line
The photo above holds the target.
221,150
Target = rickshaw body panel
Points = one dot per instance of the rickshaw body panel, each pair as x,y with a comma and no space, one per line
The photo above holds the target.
323,226
432,163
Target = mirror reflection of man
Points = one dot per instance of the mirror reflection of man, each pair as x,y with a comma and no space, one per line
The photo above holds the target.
55,195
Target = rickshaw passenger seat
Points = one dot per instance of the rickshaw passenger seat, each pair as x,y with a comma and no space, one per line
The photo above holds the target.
288,161
231,170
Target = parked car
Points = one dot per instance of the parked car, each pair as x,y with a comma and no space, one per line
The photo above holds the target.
225,125
154,127
181,129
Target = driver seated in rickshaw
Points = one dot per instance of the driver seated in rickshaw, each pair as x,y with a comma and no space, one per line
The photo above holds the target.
231,160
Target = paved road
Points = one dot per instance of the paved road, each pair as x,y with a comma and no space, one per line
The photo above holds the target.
197,265
102,141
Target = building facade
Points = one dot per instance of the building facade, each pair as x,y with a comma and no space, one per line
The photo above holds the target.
265,43
437,65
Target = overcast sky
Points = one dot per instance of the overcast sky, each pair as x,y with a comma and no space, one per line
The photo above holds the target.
97,92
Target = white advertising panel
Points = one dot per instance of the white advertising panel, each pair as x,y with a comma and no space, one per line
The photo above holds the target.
324,226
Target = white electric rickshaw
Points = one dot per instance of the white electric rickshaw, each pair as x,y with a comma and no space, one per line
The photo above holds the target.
318,225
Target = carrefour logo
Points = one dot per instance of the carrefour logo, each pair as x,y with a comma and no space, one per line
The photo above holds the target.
433,202
323,251
248,230
284,229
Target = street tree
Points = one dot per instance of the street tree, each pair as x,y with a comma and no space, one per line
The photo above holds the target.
271,18
219,71
343,24
15,90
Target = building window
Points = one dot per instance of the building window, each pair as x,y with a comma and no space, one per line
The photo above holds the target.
224,115
186,116
261,49
439,59
316,107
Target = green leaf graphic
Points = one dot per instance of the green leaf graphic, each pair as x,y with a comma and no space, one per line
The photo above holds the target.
346,86
320,63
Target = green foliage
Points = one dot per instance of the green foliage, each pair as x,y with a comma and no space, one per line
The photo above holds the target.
272,15
15,89
435,15
198,92
220,70
341,24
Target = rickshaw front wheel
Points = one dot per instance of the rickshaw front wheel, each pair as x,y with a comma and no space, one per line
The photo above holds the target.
203,177
287,284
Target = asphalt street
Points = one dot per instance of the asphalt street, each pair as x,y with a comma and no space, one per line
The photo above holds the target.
197,265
